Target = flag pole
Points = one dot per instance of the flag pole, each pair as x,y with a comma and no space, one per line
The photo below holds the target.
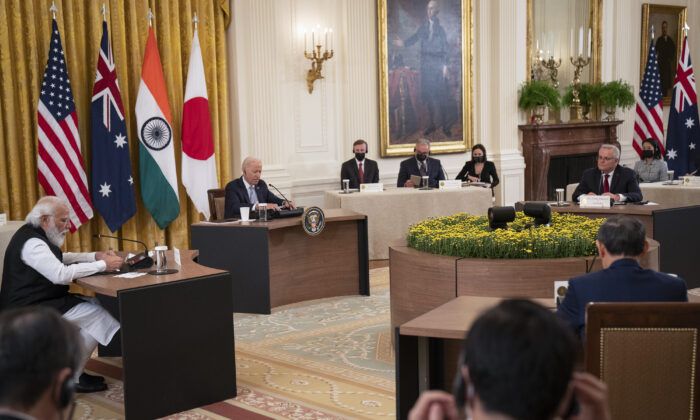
53,9
686,28
195,20
104,13
150,17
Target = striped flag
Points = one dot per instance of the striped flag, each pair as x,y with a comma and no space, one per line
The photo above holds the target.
198,164
60,163
157,173
648,122
112,183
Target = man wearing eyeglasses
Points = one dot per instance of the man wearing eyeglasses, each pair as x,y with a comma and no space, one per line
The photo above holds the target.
609,178
36,272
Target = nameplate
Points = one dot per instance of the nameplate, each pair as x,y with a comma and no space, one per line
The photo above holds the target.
3,219
690,181
450,184
560,289
594,201
367,188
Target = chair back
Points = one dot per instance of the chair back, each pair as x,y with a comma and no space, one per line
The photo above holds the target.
217,203
647,354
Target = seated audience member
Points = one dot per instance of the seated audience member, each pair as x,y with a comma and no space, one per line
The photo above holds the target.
36,272
359,170
249,190
517,362
621,242
651,168
39,351
609,178
479,169
422,165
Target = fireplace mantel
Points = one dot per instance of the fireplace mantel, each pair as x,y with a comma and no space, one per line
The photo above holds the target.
544,141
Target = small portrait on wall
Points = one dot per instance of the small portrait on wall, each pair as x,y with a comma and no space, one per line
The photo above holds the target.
425,86
667,23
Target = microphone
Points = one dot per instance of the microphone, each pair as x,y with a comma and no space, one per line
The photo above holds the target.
280,193
141,260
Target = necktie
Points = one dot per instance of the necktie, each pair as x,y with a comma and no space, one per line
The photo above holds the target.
423,172
362,174
606,184
252,194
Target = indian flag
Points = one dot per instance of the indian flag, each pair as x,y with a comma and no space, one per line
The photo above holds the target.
157,171
198,164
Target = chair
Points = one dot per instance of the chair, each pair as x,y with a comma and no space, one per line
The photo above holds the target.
217,203
647,354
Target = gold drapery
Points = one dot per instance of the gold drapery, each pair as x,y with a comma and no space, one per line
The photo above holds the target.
25,31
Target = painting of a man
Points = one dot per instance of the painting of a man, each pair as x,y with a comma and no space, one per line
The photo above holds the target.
666,52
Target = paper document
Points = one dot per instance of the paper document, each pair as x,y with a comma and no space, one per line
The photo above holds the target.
131,275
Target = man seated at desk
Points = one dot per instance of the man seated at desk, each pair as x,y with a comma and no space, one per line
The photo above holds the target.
422,165
609,178
249,190
359,170
36,272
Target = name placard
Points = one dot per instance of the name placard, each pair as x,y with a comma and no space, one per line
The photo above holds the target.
3,219
690,181
450,184
594,201
370,188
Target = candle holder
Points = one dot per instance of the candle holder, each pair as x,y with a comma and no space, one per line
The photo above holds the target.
552,65
317,59
579,62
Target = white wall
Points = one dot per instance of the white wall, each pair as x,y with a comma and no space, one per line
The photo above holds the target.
303,138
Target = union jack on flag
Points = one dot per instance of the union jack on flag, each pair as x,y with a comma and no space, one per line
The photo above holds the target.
683,137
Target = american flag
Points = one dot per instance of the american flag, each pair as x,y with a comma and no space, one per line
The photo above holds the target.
60,163
648,122
683,138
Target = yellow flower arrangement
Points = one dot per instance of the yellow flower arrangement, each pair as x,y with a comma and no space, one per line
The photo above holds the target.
462,235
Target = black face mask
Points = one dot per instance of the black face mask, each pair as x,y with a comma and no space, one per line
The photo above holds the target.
647,154
421,157
478,159
360,156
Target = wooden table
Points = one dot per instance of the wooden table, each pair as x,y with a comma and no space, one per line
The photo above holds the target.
420,360
276,263
392,211
176,337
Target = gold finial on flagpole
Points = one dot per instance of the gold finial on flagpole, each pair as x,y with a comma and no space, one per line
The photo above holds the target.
652,32
195,20
150,17
104,12
686,28
53,9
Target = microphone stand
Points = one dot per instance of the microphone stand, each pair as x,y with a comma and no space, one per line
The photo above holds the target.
141,260
280,193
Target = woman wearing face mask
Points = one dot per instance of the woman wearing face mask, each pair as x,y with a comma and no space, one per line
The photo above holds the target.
479,169
651,168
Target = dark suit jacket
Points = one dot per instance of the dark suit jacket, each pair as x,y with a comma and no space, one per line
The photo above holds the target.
349,171
624,281
624,181
237,196
488,174
410,167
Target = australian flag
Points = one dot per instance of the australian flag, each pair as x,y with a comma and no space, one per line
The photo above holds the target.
683,137
112,183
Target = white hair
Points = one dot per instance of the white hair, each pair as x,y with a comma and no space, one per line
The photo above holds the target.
247,161
611,147
46,206
422,140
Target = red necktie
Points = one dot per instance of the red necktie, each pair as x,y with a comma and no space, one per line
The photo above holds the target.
606,184
362,174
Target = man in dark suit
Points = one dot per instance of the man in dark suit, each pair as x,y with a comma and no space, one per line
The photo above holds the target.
621,242
609,178
359,170
420,164
249,190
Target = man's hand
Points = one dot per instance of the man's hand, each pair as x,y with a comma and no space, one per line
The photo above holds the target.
408,184
434,405
290,205
110,258
615,197
592,395
591,193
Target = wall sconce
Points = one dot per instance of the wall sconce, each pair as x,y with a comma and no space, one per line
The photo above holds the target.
317,58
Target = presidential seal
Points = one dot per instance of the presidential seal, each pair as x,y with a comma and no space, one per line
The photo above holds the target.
313,220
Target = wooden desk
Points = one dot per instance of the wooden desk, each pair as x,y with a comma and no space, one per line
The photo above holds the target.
677,230
276,263
176,337
420,346
674,195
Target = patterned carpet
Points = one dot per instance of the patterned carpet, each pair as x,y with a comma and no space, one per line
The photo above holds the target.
323,359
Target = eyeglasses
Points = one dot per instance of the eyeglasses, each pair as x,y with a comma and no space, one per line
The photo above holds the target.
605,158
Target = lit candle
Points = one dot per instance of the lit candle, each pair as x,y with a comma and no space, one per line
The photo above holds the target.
589,42
559,42
537,48
331,30
571,39
313,39
551,42
305,42
580,41
327,40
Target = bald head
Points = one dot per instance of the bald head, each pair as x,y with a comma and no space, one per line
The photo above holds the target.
252,169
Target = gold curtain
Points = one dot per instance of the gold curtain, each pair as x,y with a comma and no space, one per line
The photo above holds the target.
25,31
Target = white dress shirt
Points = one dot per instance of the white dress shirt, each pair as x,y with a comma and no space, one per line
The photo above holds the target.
37,254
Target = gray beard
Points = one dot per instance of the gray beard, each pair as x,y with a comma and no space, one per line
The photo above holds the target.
55,237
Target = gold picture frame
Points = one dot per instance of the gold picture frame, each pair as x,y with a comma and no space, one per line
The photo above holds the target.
406,114
675,16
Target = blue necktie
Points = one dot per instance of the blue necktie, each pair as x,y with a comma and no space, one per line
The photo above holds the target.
252,194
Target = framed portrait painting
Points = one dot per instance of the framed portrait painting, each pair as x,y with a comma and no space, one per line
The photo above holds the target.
667,22
425,88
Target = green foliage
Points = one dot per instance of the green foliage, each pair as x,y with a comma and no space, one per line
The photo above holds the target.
534,94
617,94
467,236
588,94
